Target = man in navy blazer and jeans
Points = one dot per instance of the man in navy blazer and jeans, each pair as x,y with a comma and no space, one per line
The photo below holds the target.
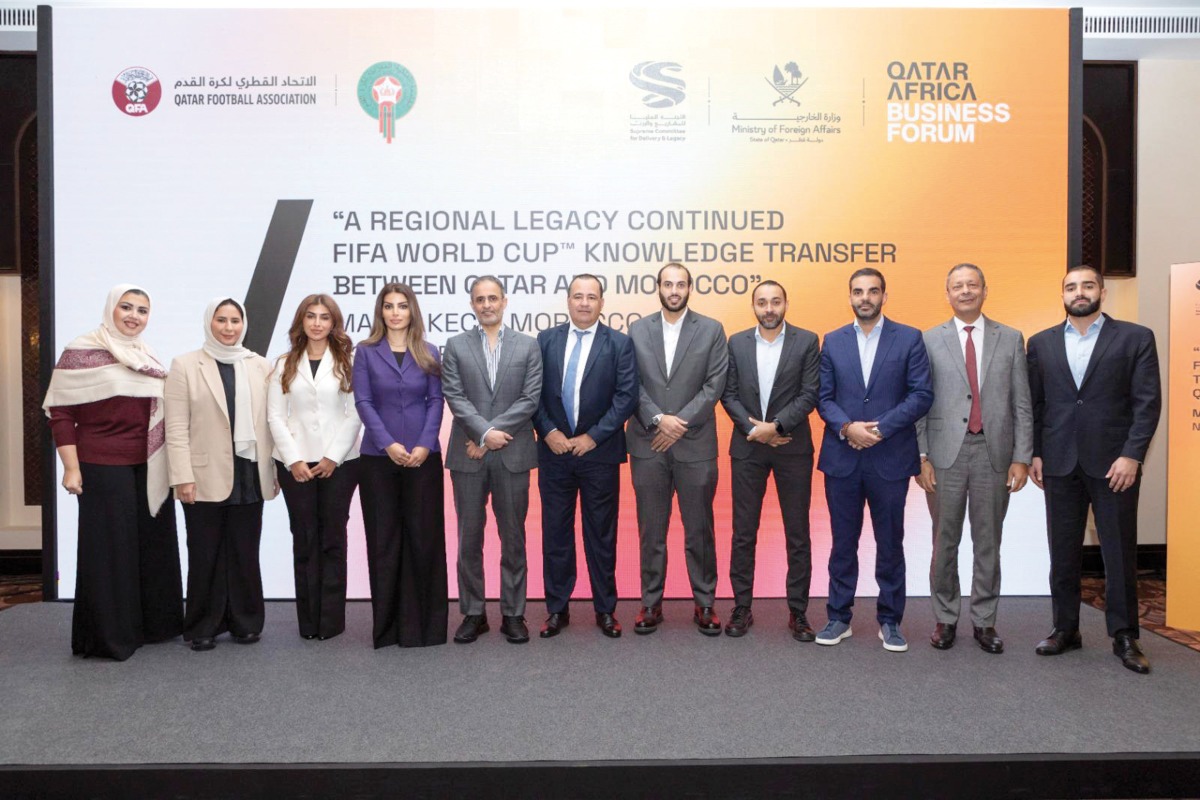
875,385
589,390
1096,401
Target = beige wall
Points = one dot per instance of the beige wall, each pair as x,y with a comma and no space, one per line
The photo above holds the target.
1168,231
20,525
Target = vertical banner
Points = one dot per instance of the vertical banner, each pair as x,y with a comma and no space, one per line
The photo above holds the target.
270,154
1183,449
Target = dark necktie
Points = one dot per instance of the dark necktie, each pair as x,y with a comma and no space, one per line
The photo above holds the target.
975,421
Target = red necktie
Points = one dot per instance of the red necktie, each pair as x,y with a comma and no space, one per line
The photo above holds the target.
975,422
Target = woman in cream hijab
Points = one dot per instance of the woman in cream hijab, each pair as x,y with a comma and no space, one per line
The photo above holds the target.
220,466
105,404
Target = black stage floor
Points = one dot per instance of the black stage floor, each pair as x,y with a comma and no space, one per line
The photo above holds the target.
675,714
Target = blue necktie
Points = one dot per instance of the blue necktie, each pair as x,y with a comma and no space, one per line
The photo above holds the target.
569,379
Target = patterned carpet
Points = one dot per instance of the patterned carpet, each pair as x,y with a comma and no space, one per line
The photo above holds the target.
1152,597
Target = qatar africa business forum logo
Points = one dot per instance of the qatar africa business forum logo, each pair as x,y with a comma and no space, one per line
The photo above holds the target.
387,91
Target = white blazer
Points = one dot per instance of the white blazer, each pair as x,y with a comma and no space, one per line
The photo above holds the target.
315,419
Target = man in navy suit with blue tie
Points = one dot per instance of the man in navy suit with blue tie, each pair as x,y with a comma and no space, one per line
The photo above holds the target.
875,385
589,390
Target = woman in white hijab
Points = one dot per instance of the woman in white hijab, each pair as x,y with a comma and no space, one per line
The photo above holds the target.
220,447
105,404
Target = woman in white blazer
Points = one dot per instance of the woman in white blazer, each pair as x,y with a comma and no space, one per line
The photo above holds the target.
310,408
219,454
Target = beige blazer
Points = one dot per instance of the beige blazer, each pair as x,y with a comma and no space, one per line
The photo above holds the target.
199,442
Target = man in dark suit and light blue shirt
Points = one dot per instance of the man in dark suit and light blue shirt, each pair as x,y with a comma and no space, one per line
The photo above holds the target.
1096,402
682,358
976,445
492,379
875,385
770,390
589,390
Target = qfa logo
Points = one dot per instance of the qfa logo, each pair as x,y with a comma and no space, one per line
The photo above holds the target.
786,86
387,91
664,90
136,91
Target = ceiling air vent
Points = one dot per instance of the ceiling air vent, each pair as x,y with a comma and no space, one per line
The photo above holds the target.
18,18
1163,23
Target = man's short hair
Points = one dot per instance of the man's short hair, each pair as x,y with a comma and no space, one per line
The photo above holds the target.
676,265
1080,268
769,283
965,265
482,278
872,272
586,276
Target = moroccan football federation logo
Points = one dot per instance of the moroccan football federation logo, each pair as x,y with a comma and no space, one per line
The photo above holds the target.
387,91
136,91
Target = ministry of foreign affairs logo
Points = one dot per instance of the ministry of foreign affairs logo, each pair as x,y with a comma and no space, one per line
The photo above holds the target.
387,91
136,91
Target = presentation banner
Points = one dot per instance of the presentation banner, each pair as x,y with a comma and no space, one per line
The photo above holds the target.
269,154
1183,449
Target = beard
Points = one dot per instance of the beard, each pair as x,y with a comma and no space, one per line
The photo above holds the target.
1082,310
867,311
679,304
770,322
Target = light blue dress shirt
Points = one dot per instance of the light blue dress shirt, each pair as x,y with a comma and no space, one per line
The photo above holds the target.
1079,348
868,344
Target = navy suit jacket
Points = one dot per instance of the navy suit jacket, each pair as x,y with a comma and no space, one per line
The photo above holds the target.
1113,413
608,394
899,394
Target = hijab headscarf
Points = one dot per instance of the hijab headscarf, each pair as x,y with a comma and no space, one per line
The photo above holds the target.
108,363
245,444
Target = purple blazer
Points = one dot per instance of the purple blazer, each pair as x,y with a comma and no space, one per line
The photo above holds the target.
396,403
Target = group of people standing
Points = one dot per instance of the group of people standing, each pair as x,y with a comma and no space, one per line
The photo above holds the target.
963,408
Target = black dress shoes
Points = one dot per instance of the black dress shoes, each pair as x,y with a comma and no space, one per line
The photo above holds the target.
1059,642
707,621
608,625
739,621
308,636
1126,648
203,643
943,635
473,625
989,640
554,624
249,638
801,630
648,619
514,629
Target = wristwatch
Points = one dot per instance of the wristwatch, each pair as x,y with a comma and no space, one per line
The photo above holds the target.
778,427
657,418
845,427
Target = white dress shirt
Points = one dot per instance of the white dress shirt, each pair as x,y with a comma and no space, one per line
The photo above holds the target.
868,344
671,337
767,355
977,339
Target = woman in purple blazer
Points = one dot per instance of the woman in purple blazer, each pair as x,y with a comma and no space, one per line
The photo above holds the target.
398,393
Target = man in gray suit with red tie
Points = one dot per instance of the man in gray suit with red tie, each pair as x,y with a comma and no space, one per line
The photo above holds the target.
976,445
492,378
770,390
682,357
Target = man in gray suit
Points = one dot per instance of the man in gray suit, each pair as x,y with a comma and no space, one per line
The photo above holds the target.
976,446
492,379
682,358
771,388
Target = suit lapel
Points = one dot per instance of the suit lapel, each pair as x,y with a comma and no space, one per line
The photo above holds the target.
476,346
686,333
553,372
506,357
887,338
785,359
601,342
658,343
1108,332
750,345
212,377
954,350
1058,355
991,344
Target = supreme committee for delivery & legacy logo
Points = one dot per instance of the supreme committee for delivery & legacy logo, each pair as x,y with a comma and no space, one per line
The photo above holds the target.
387,91
136,91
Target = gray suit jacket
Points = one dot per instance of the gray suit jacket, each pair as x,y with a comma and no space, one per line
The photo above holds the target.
793,392
476,407
1004,389
696,382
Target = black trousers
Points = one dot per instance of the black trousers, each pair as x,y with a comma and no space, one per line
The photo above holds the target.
598,486
1067,501
224,587
405,523
318,511
128,589
793,485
